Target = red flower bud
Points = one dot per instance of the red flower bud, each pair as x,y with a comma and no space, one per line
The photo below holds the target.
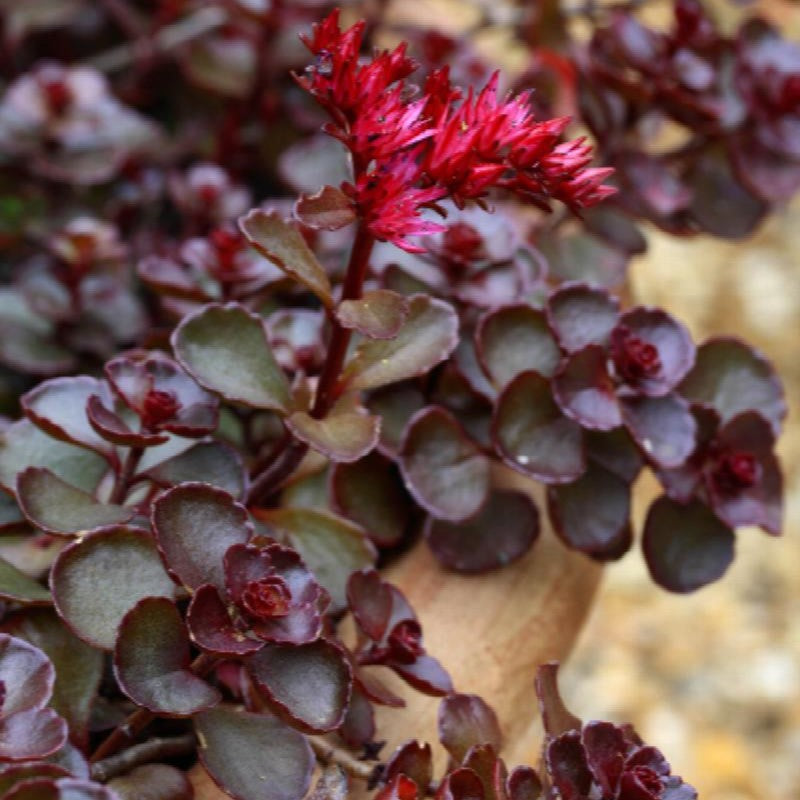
736,470
267,598
405,642
158,407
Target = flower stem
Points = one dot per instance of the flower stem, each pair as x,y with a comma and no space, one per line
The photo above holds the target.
290,454
125,476
157,749
340,336
327,754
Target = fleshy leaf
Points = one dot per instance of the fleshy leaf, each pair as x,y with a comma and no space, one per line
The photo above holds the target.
113,428
152,782
18,587
370,601
284,245
732,377
60,789
395,405
465,720
581,315
592,514
194,525
426,675
523,784
378,314
343,435
151,661
225,349
584,390
533,435
332,547
308,685
566,765
414,760
685,546
254,756
676,350
358,726
445,472
59,508
58,406
98,579
370,493
78,667
211,462
583,257
23,445
504,530
515,339
327,210
616,451
211,628
32,734
663,427
429,335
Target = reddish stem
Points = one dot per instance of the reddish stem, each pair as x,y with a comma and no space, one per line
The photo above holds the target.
340,337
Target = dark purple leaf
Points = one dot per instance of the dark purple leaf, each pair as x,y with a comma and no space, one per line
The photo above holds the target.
211,628
370,493
515,339
505,529
194,525
153,782
332,547
584,390
482,759
114,429
615,227
731,377
523,784
663,427
370,600
308,685
426,675
444,471
465,720
582,257
358,726
414,760
254,756
566,766
685,545
98,579
532,434
395,405
748,435
581,315
152,661
616,451
593,513
461,784
605,748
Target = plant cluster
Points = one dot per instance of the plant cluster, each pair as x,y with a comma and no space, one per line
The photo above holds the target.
228,417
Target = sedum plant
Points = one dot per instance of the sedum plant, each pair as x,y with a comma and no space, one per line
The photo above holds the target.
224,419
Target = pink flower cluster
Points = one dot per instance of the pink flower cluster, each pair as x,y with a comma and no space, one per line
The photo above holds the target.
411,150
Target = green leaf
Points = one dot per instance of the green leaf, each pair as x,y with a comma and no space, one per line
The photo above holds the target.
444,470
308,685
254,756
428,336
285,246
225,349
59,508
23,445
343,435
378,314
152,660
333,548
97,580
194,525
19,588
78,666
